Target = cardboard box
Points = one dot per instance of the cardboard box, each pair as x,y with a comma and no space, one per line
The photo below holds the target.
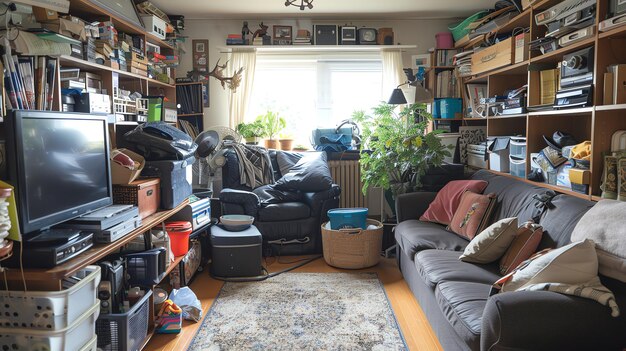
44,15
67,28
579,176
607,98
123,175
549,80
495,56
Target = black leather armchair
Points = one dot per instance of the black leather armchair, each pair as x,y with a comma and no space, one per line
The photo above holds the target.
289,219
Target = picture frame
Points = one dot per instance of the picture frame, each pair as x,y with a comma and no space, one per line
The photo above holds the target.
283,35
422,60
200,57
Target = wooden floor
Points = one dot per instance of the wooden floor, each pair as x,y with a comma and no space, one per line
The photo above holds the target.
417,332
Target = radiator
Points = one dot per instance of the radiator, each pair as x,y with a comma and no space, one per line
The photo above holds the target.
347,174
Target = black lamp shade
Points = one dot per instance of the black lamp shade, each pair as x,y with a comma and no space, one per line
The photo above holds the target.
397,97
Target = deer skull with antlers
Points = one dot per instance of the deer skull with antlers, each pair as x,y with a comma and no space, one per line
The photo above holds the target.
232,82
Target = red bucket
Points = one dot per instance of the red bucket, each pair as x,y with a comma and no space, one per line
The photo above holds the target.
179,236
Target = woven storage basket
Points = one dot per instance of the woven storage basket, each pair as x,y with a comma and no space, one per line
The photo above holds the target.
353,248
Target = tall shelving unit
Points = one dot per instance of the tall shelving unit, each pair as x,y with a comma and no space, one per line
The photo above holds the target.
596,123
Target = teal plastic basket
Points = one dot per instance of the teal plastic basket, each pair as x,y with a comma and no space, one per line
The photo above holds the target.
461,29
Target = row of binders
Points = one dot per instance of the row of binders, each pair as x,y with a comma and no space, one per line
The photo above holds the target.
447,85
29,81
189,97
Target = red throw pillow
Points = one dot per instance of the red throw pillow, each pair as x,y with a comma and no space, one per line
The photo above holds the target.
442,209
523,246
473,214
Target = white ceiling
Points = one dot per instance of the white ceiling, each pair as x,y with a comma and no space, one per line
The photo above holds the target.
344,9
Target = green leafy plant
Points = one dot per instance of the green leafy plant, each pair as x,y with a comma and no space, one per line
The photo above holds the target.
399,148
251,130
272,124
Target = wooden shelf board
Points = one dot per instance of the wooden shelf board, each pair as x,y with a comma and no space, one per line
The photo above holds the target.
514,69
312,48
571,111
190,114
504,117
447,119
94,67
470,43
95,253
596,198
619,32
189,83
173,265
474,119
557,55
611,107
443,67
522,20
556,188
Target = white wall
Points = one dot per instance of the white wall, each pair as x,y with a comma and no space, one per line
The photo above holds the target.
407,32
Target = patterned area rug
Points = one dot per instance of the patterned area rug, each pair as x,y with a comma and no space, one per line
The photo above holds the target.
302,311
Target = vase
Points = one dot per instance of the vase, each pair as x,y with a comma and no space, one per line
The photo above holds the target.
271,144
286,144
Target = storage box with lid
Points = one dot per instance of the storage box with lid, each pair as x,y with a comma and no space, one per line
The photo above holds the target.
353,248
176,179
449,108
476,155
518,166
492,57
341,218
154,25
143,193
499,154
518,147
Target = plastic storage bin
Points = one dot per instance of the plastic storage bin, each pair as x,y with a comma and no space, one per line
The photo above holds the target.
450,108
341,218
176,178
179,236
499,154
444,40
518,147
146,268
352,248
50,310
125,331
71,338
462,29
518,166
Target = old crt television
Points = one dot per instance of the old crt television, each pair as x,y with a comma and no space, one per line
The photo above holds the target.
58,163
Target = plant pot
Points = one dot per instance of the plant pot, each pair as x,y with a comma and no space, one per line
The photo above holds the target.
271,144
286,144
253,141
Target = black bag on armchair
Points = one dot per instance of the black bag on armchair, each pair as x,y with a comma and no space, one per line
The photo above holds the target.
158,141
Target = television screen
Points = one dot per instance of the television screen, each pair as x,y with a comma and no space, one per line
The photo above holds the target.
61,167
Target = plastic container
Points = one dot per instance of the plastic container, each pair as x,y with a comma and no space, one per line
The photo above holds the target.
518,147
518,166
125,331
462,29
71,338
50,310
146,268
342,218
451,107
352,248
179,236
499,160
444,40
155,108
437,108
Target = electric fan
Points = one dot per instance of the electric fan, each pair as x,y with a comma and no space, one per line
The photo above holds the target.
212,145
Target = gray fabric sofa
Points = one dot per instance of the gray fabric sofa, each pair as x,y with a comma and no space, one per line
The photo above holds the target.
455,295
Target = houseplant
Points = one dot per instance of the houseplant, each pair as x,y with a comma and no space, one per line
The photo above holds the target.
252,132
400,149
272,124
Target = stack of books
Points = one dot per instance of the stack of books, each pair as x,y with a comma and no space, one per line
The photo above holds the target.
137,63
463,63
103,48
303,37
29,81
447,85
234,39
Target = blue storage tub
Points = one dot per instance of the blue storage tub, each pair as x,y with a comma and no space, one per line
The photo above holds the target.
451,108
437,108
341,218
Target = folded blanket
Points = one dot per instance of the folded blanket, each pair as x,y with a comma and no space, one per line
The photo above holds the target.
592,289
605,224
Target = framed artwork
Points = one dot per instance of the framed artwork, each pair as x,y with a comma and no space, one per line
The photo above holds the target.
418,61
283,35
201,58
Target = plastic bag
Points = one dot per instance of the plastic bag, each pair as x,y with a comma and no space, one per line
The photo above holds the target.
187,300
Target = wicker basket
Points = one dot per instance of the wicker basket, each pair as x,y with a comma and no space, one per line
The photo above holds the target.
353,248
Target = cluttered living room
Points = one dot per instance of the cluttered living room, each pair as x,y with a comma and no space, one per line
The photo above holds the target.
312,175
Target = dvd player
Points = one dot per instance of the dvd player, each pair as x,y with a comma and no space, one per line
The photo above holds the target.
56,252
103,218
117,232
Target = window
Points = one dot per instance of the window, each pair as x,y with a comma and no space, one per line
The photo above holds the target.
311,92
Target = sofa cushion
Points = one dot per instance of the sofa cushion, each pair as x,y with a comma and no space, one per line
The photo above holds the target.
268,194
559,222
284,212
442,209
435,266
285,160
491,243
462,304
472,215
413,236
310,174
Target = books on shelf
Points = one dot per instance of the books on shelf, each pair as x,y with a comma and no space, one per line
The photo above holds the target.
463,63
447,85
235,39
445,57
189,97
29,81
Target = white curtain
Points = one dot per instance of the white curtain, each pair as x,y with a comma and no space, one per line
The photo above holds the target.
238,101
392,70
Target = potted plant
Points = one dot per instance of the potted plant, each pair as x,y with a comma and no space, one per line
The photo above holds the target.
272,125
252,132
286,142
400,150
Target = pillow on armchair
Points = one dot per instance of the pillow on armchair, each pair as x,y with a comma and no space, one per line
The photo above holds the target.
310,174
268,194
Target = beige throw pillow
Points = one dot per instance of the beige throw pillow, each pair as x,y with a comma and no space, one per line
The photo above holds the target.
491,243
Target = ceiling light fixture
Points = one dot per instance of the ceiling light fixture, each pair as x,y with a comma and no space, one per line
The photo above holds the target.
303,4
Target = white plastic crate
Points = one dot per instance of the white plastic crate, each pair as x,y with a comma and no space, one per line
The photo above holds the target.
518,147
76,336
50,310
518,166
